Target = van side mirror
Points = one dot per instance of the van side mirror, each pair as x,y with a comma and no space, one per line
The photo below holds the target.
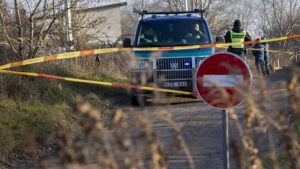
220,39
127,43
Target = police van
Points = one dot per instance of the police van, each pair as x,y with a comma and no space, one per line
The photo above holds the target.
169,69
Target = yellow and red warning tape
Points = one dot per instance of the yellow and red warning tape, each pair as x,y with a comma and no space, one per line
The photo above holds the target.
275,51
96,82
293,54
120,84
110,50
278,51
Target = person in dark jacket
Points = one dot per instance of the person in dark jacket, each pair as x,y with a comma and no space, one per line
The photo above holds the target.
258,52
237,34
266,57
98,57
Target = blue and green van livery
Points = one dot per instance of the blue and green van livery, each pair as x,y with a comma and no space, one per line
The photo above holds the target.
171,69
204,52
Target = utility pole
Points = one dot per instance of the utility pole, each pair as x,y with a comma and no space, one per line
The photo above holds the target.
143,5
186,5
69,35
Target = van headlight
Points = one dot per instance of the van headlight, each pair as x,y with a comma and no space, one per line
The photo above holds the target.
142,64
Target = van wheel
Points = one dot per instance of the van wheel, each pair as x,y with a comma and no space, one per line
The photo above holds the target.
138,100
134,100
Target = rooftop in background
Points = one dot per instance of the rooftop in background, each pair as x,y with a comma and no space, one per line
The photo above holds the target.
104,5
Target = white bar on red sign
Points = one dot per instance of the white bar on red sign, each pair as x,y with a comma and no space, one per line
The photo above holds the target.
223,80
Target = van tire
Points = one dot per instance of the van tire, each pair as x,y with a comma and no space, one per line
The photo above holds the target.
138,100
134,100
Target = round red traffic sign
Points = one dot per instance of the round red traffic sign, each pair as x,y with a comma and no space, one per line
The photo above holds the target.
222,80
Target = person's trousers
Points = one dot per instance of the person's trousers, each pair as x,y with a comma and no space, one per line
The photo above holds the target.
260,65
266,60
238,51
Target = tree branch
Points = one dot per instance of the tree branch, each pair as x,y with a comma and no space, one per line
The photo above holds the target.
6,34
55,17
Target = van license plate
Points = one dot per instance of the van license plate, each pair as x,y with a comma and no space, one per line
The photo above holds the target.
175,84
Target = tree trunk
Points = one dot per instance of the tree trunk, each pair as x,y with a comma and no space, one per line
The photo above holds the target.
20,37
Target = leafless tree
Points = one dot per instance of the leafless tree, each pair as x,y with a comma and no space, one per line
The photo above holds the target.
217,12
29,24
279,18
130,19
32,39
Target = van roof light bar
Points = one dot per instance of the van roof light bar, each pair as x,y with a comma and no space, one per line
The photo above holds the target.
142,13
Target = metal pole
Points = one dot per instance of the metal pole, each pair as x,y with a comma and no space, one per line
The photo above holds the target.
143,5
225,135
186,5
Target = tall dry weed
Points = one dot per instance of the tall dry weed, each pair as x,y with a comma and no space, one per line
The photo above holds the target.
112,149
267,130
168,117
131,142
263,132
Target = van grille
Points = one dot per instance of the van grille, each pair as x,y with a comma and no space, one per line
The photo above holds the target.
175,75
174,69
174,63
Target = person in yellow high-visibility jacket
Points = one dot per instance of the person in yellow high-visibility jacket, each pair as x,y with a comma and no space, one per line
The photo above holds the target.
149,36
196,34
237,34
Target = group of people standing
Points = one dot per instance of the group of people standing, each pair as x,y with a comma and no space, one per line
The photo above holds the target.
260,50
237,34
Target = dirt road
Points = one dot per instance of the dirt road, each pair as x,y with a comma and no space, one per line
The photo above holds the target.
200,128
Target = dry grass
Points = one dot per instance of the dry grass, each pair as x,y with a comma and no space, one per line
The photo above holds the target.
30,107
268,131
131,142
261,121
267,135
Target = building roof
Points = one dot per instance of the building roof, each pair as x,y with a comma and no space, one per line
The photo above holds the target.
112,5
106,6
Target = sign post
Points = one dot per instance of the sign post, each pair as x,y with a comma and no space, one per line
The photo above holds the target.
225,139
222,81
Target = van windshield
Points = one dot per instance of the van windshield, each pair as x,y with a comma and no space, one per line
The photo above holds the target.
172,33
